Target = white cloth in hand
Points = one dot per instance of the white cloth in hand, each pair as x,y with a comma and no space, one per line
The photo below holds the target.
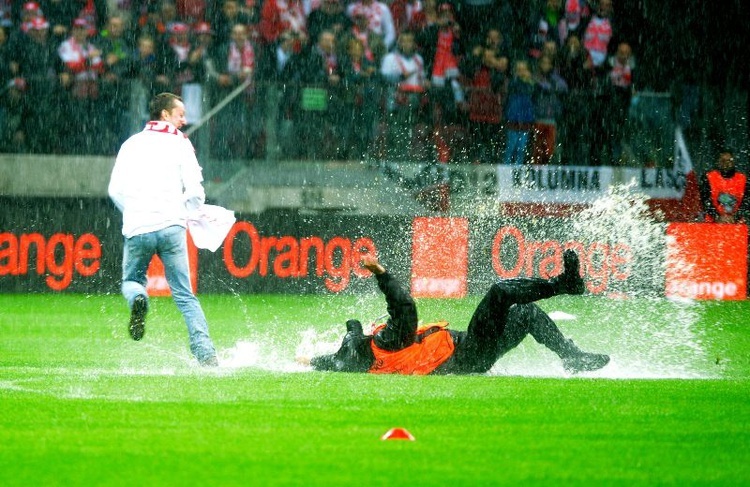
209,226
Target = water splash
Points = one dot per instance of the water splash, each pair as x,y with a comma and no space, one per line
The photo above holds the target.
622,219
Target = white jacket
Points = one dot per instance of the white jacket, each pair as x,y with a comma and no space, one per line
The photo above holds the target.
156,180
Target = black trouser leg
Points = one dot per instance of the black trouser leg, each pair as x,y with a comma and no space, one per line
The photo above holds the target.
546,332
482,344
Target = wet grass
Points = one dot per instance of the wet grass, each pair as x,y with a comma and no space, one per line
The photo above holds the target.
84,405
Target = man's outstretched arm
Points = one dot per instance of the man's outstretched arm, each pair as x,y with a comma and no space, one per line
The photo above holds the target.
401,327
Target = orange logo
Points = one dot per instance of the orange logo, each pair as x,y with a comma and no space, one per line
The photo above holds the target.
706,261
440,248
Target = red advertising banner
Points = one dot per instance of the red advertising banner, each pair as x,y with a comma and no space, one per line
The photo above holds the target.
440,249
157,285
706,261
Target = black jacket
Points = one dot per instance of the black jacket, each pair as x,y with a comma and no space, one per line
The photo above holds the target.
400,331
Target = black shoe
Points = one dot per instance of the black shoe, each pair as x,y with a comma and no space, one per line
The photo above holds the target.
570,280
138,317
210,362
585,362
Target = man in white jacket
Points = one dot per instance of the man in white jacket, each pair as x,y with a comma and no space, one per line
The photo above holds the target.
156,182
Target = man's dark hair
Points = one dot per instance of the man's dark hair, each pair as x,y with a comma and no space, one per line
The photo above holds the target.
162,101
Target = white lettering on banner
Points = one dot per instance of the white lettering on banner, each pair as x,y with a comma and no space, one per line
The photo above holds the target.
658,182
426,285
693,289
552,184
556,178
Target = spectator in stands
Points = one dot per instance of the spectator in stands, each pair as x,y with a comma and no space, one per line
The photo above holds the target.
576,68
168,16
223,15
278,16
404,12
621,80
115,87
549,97
330,16
29,11
62,13
36,62
6,14
379,18
361,92
406,105
519,114
547,25
475,16
235,129
426,16
319,115
373,44
577,13
486,69
82,68
202,66
598,34
179,50
191,11
286,79
724,192
12,102
17,34
149,76
202,53
441,48
154,22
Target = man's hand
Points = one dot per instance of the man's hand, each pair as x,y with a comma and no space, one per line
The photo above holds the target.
370,262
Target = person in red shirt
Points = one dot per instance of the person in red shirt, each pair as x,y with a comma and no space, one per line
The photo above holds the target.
503,318
724,192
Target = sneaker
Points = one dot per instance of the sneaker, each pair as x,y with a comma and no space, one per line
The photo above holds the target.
585,362
570,279
210,362
138,317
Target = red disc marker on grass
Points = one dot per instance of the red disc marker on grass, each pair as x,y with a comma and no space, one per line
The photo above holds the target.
397,434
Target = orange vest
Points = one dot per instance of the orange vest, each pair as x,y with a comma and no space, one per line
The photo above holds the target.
420,358
726,194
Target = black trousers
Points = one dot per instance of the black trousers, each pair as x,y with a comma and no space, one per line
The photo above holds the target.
504,317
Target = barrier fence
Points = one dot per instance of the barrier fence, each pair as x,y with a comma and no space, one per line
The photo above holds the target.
75,245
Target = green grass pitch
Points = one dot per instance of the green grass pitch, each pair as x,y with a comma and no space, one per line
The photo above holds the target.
82,404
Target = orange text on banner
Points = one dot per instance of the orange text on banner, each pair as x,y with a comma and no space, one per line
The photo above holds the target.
706,261
440,248
156,279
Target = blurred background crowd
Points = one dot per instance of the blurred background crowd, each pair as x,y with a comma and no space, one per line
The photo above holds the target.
476,81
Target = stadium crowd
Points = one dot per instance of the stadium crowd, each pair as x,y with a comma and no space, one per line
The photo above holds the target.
474,80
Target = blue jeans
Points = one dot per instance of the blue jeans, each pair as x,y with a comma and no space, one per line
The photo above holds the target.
515,150
170,245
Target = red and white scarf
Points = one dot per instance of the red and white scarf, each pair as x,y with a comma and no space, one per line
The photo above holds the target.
240,59
373,12
365,38
292,15
621,75
79,60
182,49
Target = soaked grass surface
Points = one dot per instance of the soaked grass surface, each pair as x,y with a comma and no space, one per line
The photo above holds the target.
84,405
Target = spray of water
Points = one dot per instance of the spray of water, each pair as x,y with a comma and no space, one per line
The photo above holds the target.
646,335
